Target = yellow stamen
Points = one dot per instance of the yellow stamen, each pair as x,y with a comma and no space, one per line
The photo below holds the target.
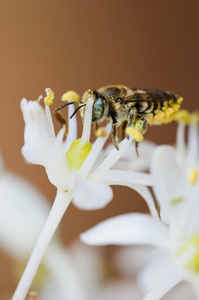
193,176
101,132
138,137
49,96
70,96
77,153
176,201
194,262
194,118
183,116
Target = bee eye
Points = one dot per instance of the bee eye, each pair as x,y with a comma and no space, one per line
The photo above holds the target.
98,109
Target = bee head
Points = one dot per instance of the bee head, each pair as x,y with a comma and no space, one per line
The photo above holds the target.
99,104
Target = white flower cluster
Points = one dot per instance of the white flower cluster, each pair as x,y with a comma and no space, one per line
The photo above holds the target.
83,173
176,234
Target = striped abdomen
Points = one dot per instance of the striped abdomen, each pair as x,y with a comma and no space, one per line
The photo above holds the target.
156,106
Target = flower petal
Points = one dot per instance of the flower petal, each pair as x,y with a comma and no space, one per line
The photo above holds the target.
120,177
91,195
22,215
130,160
41,146
164,285
128,229
193,146
134,180
38,132
114,156
169,183
171,189
181,145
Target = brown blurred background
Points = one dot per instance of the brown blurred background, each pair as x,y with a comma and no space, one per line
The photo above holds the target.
87,44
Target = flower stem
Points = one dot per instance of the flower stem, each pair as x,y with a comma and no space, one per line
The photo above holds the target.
59,207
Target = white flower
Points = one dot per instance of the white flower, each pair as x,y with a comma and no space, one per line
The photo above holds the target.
23,213
90,184
177,241
97,274
130,161
71,168
187,154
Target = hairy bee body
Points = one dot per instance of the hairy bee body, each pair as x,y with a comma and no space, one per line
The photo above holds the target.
132,107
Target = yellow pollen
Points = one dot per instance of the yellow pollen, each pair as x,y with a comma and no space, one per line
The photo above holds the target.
193,264
175,201
49,96
101,132
194,118
77,153
183,116
70,96
180,100
193,176
138,137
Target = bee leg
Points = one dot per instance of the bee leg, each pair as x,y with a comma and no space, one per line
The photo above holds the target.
96,126
131,118
60,118
124,125
136,148
114,136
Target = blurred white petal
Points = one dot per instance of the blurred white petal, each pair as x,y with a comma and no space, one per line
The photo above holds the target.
120,177
91,195
169,181
22,215
128,229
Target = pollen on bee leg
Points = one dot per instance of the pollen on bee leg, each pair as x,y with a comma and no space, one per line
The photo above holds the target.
101,132
192,176
70,96
183,116
138,137
49,96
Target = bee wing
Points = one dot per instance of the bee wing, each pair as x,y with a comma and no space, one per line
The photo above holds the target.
149,95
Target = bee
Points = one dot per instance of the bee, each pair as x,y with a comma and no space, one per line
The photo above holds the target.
131,108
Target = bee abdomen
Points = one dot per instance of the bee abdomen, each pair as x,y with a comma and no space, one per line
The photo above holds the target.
166,111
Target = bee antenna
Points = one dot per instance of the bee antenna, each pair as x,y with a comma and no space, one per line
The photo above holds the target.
69,103
77,110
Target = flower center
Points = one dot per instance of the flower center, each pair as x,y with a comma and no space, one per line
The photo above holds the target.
77,153
192,176
193,263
